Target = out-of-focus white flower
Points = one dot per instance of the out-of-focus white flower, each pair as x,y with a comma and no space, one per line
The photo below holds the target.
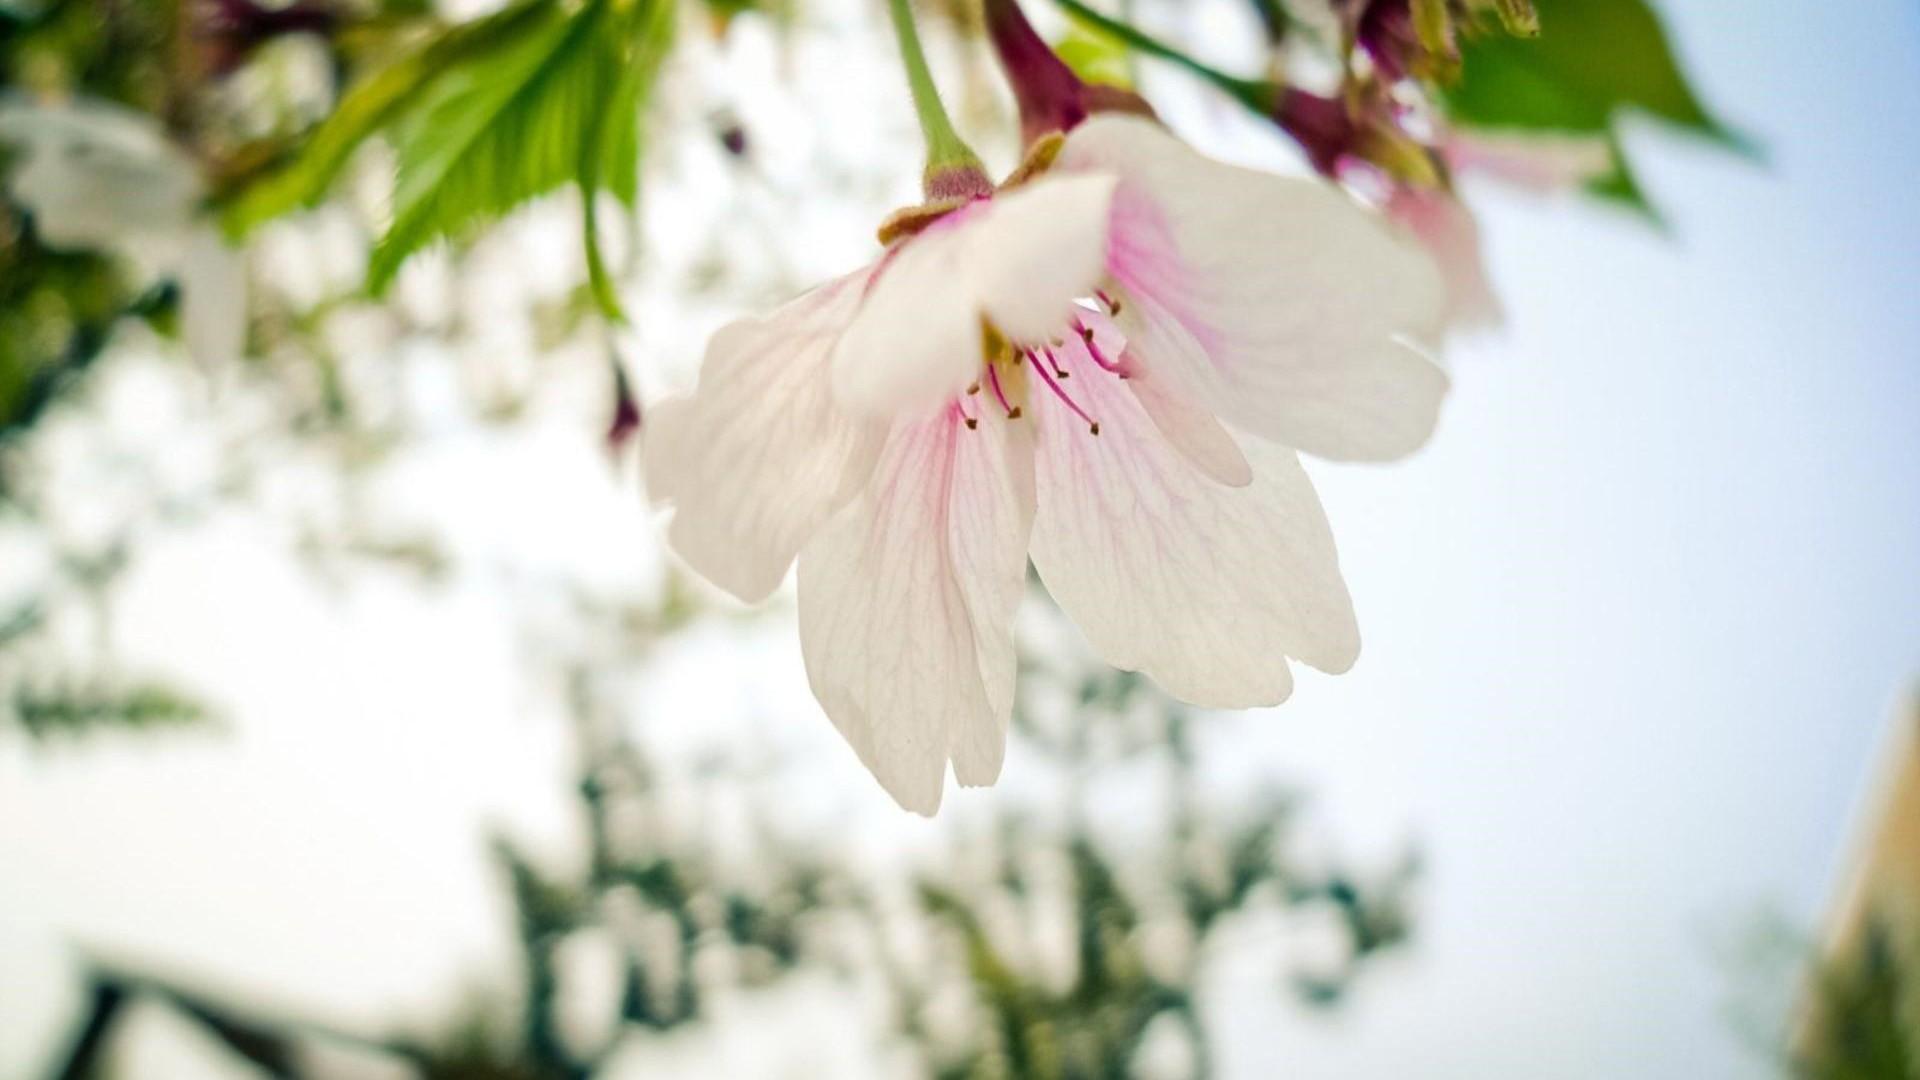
1537,162
1069,372
1446,228
100,177
1443,223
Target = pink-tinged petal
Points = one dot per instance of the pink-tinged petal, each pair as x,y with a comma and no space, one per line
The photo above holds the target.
1037,249
1446,228
916,340
759,457
992,522
1191,429
1540,163
1305,305
1205,588
907,600
1153,360
1018,261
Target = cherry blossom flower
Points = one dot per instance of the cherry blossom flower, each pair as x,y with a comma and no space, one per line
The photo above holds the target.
1107,369
101,177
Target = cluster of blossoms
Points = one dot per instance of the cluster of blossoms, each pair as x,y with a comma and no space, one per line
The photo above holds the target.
1107,365
1375,135
1374,129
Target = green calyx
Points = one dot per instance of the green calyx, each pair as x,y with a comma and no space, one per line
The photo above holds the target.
953,169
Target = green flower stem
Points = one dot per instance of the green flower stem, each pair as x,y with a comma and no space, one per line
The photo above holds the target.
1255,94
945,149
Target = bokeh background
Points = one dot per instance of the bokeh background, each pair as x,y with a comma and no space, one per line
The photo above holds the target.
1639,625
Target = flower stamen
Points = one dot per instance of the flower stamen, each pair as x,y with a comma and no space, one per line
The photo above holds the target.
993,378
1060,392
1052,362
1093,351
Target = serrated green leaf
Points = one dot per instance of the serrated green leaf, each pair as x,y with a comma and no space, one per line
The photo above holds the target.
371,104
559,104
644,36
495,132
1592,60
612,160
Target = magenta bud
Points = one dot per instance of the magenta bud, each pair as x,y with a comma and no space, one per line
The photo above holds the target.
1385,30
624,424
1051,97
1321,125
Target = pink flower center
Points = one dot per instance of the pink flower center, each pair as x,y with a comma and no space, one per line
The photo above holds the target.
1046,365
1053,384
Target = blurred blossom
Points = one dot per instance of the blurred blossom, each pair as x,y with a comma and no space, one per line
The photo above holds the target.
97,176
1445,225
1446,228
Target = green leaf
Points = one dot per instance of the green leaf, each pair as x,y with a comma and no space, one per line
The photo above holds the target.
494,132
599,281
560,103
1593,60
371,104
611,159
81,708
1096,56
1622,188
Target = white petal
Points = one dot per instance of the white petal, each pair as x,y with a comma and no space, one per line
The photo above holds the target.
1153,359
1304,303
906,601
97,175
1191,429
760,457
917,339
1205,588
1036,250
213,298
1542,163
1446,228
992,503
1017,261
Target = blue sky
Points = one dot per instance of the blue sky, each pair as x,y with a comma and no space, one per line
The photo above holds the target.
1639,617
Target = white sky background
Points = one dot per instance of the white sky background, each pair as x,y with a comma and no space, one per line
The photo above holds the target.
1634,622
